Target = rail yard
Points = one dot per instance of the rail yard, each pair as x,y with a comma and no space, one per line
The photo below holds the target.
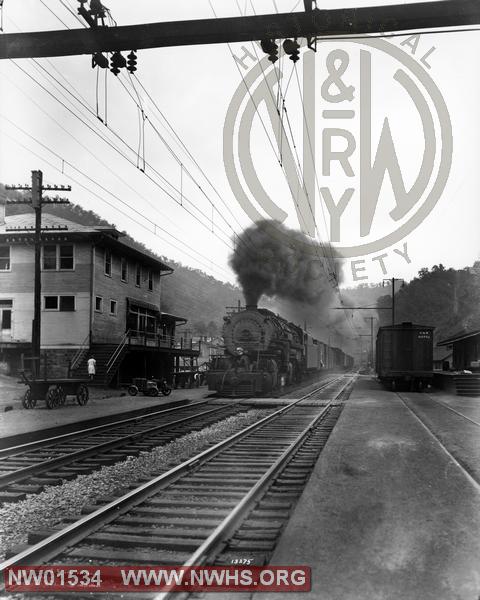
348,465
239,300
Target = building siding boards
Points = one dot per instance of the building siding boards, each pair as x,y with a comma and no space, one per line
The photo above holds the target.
106,327
69,328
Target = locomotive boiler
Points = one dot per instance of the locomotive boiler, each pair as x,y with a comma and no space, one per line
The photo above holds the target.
263,352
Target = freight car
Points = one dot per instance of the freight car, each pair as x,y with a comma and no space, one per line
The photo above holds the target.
265,352
404,355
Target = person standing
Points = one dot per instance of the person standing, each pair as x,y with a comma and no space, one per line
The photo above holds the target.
92,363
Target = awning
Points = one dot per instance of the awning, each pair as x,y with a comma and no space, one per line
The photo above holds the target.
169,317
142,304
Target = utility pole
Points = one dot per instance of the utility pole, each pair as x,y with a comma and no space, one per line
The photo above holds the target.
371,319
392,283
37,201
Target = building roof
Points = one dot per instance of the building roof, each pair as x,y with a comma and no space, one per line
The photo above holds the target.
105,235
441,354
28,220
458,337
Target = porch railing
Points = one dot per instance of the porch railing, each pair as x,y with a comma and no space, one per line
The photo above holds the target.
117,352
156,340
80,353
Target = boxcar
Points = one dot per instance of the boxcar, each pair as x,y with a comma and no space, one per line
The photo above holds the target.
405,355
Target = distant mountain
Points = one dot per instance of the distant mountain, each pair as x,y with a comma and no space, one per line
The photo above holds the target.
188,292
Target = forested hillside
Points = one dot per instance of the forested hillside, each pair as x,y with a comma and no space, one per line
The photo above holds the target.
447,299
188,293
366,294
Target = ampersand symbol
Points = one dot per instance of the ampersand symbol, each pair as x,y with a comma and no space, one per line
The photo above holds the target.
335,78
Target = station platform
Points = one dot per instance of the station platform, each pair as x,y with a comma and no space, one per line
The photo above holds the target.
388,513
22,426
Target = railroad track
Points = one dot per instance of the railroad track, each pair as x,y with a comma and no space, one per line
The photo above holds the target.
230,500
29,468
455,432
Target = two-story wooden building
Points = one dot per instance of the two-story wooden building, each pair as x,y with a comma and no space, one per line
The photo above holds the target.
100,296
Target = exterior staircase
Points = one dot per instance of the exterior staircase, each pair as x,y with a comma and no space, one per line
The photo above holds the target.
108,357
468,385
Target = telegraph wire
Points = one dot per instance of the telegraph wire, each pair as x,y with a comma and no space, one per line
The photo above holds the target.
95,156
173,197
155,225
206,224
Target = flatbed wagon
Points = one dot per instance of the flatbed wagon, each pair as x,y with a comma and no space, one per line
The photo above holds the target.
54,391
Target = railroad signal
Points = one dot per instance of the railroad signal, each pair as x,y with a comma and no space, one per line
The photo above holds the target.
292,49
132,62
270,47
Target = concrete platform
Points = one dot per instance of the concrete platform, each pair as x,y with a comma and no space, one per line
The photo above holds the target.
22,426
387,514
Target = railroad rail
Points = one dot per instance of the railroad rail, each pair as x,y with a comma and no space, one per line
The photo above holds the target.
459,454
29,468
188,514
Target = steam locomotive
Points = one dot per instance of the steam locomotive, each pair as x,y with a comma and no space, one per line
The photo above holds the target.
265,352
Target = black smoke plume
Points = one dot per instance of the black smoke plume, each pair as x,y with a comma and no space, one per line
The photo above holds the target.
281,263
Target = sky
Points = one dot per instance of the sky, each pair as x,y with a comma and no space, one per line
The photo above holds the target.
148,152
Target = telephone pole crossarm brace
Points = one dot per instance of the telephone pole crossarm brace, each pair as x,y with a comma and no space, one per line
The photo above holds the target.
311,23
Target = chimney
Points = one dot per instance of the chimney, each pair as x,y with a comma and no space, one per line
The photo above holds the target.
252,307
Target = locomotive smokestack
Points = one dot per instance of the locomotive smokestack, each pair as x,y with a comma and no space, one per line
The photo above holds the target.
252,306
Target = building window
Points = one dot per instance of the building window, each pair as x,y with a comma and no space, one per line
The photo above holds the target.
113,307
67,303
50,302
50,258
5,315
61,303
66,257
124,270
4,258
99,304
138,275
58,257
150,279
108,262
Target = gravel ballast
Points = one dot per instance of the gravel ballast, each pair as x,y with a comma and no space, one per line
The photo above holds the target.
44,510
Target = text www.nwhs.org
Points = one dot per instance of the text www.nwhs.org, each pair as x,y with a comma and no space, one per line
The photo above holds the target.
128,579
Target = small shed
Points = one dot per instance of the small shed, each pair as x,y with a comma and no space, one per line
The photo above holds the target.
465,347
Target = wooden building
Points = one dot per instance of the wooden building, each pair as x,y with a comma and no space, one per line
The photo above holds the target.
465,346
100,297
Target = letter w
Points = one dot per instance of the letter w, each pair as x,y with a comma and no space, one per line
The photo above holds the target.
386,159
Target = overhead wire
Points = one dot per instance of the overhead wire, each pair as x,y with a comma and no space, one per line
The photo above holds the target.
331,275
155,225
145,117
206,224
94,155
120,138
